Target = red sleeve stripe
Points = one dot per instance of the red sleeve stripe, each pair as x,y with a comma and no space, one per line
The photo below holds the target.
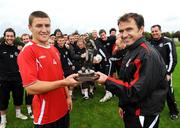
144,46
136,76
119,82
137,62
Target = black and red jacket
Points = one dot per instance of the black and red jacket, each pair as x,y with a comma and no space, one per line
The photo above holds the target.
141,86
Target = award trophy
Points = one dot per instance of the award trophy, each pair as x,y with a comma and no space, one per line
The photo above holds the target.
87,73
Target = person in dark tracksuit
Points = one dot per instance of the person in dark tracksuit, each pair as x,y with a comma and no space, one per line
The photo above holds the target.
78,54
104,46
167,49
25,38
65,56
141,86
67,64
10,79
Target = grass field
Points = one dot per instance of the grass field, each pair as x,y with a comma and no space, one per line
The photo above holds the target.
92,114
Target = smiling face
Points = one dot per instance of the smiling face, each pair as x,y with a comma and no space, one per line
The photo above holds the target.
61,41
129,31
25,38
103,36
40,29
156,33
9,38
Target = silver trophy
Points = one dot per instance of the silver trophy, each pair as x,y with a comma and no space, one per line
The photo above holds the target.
87,73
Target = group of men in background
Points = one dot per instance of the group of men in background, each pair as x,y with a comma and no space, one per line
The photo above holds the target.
72,54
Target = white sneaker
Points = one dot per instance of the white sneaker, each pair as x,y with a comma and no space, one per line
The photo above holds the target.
22,116
31,115
3,125
106,97
86,97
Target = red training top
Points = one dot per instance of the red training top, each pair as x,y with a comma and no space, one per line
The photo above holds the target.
43,63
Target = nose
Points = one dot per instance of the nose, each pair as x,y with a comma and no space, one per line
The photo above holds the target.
44,28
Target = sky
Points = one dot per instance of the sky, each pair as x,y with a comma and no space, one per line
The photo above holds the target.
88,15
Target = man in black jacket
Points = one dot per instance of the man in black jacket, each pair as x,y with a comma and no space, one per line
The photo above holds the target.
141,86
10,79
104,46
167,50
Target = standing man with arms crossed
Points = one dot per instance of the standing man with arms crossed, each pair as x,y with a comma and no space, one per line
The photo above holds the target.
167,50
42,75
141,86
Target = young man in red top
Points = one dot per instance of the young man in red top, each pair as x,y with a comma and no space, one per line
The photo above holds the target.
42,76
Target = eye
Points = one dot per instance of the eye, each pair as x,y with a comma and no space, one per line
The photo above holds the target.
121,31
39,25
47,25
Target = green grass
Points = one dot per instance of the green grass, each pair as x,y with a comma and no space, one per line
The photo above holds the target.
92,114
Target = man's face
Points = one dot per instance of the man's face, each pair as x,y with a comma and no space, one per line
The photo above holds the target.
71,38
156,33
40,29
58,34
25,39
113,33
76,37
103,36
9,38
61,42
94,34
129,32
52,37
80,44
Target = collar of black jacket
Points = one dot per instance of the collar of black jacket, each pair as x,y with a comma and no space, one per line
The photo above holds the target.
137,43
157,42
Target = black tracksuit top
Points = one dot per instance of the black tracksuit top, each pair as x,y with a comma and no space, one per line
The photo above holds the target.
141,86
168,51
9,70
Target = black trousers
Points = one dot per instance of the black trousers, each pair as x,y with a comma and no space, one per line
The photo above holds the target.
132,121
61,123
171,102
17,93
28,98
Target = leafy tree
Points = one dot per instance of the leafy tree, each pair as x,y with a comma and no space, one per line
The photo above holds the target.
167,34
147,35
1,39
177,35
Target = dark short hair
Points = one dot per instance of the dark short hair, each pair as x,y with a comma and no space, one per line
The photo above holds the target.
156,25
52,35
9,30
101,31
137,18
112,29
57,30
37,14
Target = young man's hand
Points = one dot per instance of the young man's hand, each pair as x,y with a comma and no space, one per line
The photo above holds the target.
70,80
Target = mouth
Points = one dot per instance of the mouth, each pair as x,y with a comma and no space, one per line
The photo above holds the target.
126,41
10,41
44,35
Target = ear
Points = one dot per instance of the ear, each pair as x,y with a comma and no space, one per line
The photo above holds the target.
30,27
141,30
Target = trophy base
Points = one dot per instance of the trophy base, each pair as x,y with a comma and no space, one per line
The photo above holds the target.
88,75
